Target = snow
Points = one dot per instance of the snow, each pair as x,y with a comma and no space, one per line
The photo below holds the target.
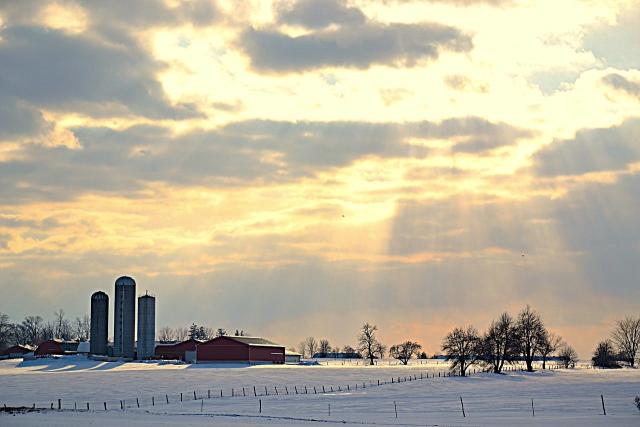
567,397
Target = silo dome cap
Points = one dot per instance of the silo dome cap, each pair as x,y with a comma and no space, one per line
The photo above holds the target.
125,280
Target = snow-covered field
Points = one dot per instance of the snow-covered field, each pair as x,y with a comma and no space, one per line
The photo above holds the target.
561,397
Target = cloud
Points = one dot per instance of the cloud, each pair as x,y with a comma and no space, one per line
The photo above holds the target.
252,151
359,46
617,44
592,150
317,14
619,82
53,70
18,119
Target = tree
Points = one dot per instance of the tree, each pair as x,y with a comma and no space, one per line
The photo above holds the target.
462,348
549,343
404,351
311,345
6,329
348,349
499,343
194,334
423,355
181,333
166,334
604,356
626,337
31,330
568,356
531,332
302,349
324,346
81,328
62,326
368,344
220,332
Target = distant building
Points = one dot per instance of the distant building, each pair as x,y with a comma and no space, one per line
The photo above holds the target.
56,347
146,327
253,350
124,322
177,351
16,351
99,323
292,357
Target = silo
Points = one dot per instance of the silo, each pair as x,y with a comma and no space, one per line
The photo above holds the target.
99,323
146,326
124,322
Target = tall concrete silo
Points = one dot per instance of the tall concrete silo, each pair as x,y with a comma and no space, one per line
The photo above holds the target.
124,322
99,323
146,326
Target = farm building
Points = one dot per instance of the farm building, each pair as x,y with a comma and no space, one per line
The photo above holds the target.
16,351
292,357
252,350
177,351
56,346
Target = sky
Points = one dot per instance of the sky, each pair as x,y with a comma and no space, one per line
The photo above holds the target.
296,168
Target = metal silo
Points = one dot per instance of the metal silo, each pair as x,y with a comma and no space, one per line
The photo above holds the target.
99,323
146,326
124,322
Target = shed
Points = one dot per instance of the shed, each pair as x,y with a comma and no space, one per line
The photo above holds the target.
253,350
56,346
292,357
176,351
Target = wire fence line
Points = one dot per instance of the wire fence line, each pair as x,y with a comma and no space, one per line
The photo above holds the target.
254,391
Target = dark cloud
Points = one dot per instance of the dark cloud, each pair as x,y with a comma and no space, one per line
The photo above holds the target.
319,13
355,46
237,154
17,119
619,82
54,70
592,150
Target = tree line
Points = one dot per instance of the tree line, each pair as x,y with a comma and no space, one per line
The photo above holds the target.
33,330
167,334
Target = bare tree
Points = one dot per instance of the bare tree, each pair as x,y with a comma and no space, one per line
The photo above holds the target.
166,334
462,348
499,344
82,328
368,344
302,349
348,349
311,345
550,343
62,326
404,351
6,329
531,333
324,346
568,356
181,333
31,330
604,356
626,337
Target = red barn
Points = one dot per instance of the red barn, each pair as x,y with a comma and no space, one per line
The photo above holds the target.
240,349
16,351
176,351
56,346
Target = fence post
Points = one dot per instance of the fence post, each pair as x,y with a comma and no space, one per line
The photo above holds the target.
395,408
254,391
533,409
59,404
462,405
153,401
305,390
105,406
121,405
329,409
167,396
276,389
243,392
260,407
137,402
604,410
314,390
296,388
194,395
87,406
266,392
209,394
180,396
